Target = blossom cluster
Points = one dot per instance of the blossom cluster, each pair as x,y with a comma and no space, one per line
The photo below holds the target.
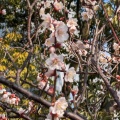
58,109
8,97
89,10
43,83
116,48
3,117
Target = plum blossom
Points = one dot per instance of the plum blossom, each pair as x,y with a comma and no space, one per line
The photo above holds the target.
52,29
58,109
10,98
43,84
41,77
47,20
90,13
72,22
85,16
103,58
3,117
90,2
50,41
61,32
73,30
54,61
60,106
58,5
47,3
42,11
116,46
71,14
13,100
96,7
70,74
30,106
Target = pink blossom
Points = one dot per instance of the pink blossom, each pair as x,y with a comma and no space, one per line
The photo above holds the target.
3,12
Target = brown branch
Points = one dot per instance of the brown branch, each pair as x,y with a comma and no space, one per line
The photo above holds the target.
113,93
35,1
78,72
110,24
36,98
26,61
9,109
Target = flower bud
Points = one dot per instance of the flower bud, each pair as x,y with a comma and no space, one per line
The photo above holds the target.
3,12
52,49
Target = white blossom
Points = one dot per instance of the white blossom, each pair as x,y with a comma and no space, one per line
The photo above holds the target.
72,22
58,5
47,20
59,107
70,74
90,2
54,61
61,32
50,41
116,46
84,16
42,11
90,13
42,84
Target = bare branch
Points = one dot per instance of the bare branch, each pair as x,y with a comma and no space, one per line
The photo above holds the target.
110,24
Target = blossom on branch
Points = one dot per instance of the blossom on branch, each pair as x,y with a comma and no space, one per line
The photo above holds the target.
58,109
70,74
55,61
58,6
61,32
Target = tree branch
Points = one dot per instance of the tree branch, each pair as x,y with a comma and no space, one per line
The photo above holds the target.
110,24
9,109
113,93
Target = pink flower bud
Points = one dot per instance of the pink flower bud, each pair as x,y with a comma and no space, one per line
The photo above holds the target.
3,12
52,49
118,77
